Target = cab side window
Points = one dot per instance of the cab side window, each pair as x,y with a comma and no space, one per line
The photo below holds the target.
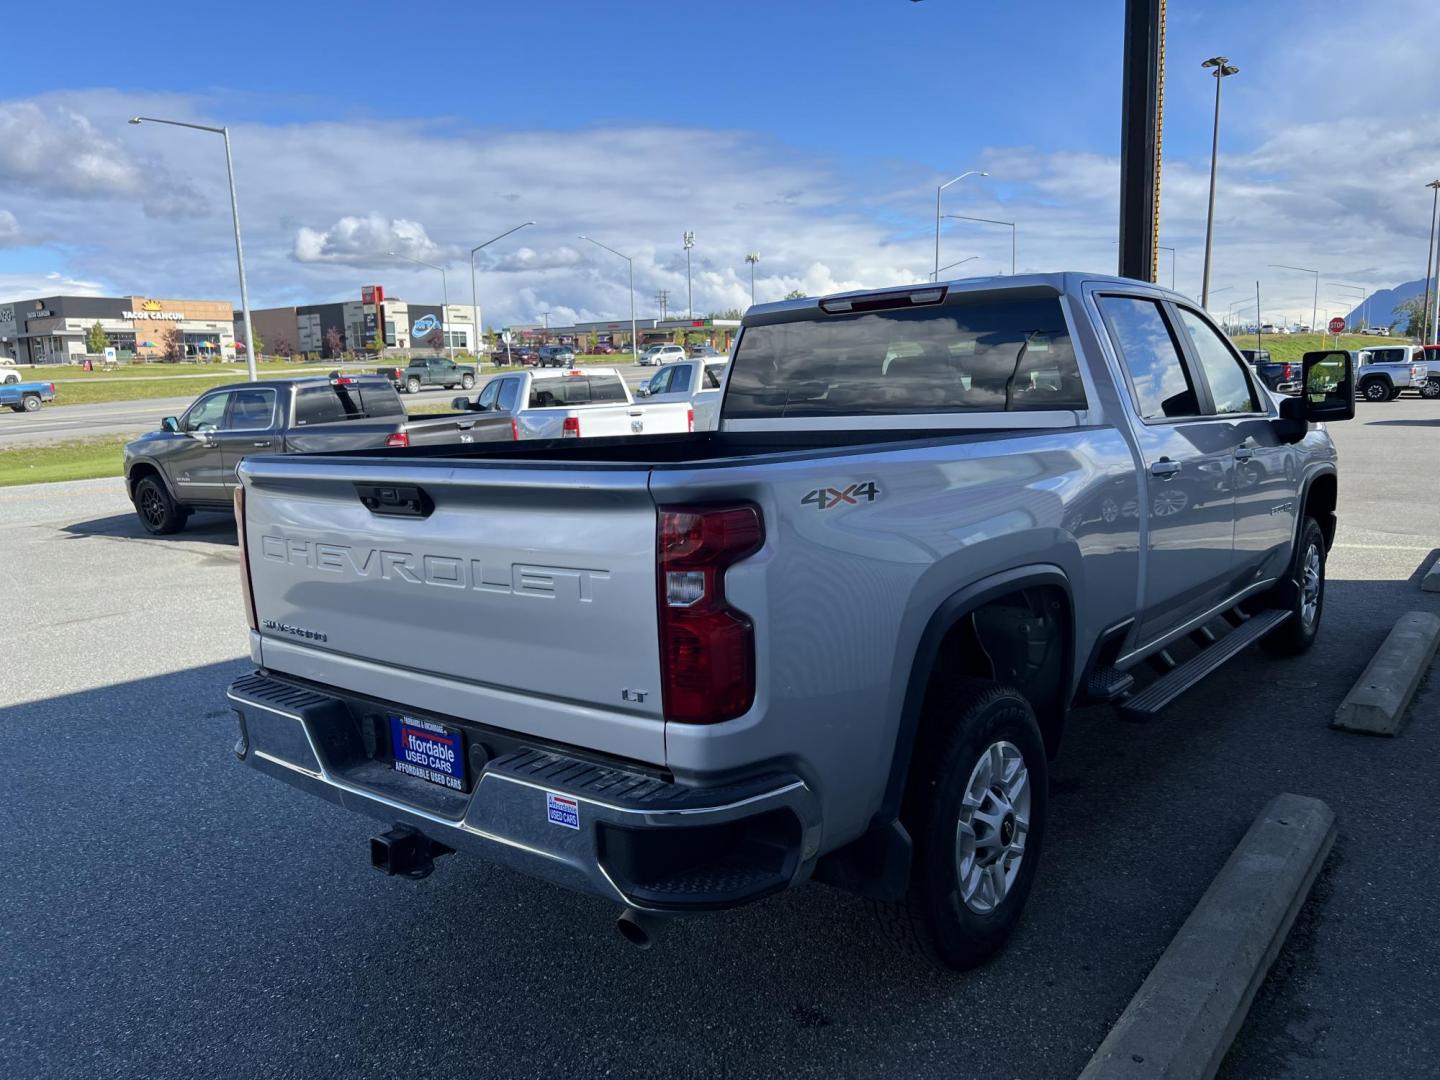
1159,381
488,395
509,394
1229,386
206,414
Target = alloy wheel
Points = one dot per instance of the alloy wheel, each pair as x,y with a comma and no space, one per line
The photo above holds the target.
994,821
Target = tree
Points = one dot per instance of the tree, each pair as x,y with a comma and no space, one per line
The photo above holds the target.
729,313
95,339
794,294
172,345
283,347
1412,313
334,342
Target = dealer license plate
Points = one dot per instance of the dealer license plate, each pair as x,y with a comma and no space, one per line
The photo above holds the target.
429,751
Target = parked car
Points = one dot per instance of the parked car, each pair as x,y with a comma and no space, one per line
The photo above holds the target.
429,371
1383,373
697,381
1281,376
561,356
1376,331
656,355
602,349
590,403
837,638
189,464
9,373
1430,356
26,396
702,351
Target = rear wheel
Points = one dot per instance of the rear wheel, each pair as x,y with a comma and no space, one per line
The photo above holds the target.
1302,593
976,810
1430,388
1375,390
159,513
30,402
412,386
467,382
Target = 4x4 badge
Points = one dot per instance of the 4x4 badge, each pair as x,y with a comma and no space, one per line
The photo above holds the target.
830,497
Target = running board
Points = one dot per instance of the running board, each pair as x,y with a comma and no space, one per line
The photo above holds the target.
1164,690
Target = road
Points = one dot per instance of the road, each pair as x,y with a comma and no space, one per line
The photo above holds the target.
169,913
59,423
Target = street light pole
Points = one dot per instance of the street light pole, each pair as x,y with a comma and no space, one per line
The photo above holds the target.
973,172
992,221
962,262
445,298
1223,68
1429,330
752,259
474,301
235,217
634,349
1315,300
1359,291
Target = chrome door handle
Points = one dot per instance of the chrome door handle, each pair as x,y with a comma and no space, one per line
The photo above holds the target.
262,443
1165,468
1244,453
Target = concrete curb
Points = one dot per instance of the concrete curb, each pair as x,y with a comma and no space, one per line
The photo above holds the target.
1182,1020
1377,702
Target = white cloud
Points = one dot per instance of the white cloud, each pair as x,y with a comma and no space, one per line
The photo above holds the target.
364,241
10,234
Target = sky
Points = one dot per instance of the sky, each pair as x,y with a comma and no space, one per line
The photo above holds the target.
813,135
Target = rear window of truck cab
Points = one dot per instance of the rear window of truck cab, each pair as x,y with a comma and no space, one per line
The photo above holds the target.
987,355
576,390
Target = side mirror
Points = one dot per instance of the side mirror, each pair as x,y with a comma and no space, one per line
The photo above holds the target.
461,404
170,424
1327,394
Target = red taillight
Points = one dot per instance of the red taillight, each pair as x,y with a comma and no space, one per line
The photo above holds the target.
1289,371
571,428
689,419
52,388
245,586
707,647
514,429
341,381
400,438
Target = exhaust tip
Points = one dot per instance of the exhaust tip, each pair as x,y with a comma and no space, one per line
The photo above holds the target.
638,928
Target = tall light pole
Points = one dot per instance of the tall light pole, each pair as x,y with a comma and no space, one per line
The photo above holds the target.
1358,291
444,292
689,241
938,191
1430,328
752,259
992,221
224,132
1315,300
634,349
1222,69
962,262
474,302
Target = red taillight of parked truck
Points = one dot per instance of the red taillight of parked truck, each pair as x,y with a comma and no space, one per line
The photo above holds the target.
400,438
570,429
246,587
707,647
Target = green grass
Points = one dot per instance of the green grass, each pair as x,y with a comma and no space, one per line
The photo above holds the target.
1294,346
82,459
92,393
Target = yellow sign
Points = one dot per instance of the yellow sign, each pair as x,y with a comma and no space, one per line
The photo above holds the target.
150,305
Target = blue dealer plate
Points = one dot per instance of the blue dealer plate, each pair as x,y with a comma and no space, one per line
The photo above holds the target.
429,751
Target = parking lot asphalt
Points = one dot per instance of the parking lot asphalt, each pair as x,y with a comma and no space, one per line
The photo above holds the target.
168,912
57,423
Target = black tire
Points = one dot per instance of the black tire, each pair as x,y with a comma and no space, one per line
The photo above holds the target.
412,386
1375,390
1297,633
30,403
158,512
1430,389
467,382
1395,393
965,720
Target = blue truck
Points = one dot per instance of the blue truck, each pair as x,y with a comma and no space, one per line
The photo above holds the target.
26,396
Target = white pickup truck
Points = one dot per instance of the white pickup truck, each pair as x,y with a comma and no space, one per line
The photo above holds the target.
698,381
587,402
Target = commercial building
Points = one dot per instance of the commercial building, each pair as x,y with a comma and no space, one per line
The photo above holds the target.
54,329
351,325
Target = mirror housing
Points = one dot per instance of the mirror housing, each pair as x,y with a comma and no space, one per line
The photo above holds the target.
461,404
170,424
1327,394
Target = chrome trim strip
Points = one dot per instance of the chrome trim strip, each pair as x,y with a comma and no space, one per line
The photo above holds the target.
266,708
288,765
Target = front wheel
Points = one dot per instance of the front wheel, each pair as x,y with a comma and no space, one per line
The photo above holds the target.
158,512
412,386
1302,593
976,810
467,382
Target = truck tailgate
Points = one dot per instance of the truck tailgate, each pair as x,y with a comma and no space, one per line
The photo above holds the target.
528,590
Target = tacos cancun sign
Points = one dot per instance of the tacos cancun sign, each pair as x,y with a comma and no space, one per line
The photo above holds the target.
172,316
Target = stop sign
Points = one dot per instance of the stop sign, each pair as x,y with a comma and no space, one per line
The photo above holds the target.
1337,325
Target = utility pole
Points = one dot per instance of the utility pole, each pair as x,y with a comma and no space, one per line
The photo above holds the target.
689,293
662,298
752,259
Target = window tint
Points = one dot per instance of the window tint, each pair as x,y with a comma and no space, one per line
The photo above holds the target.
377,401
251,409
983,355
1229,386
206,413
489,394
576,390
1161,384
607,389
317,405
509,395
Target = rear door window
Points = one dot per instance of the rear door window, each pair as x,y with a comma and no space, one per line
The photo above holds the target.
974,354
1160,383
680,381
317,405
251,409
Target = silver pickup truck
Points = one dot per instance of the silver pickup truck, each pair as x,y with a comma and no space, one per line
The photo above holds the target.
837,638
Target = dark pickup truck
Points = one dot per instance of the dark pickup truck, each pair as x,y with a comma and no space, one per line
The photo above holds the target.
426,371
1281,376
189,464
